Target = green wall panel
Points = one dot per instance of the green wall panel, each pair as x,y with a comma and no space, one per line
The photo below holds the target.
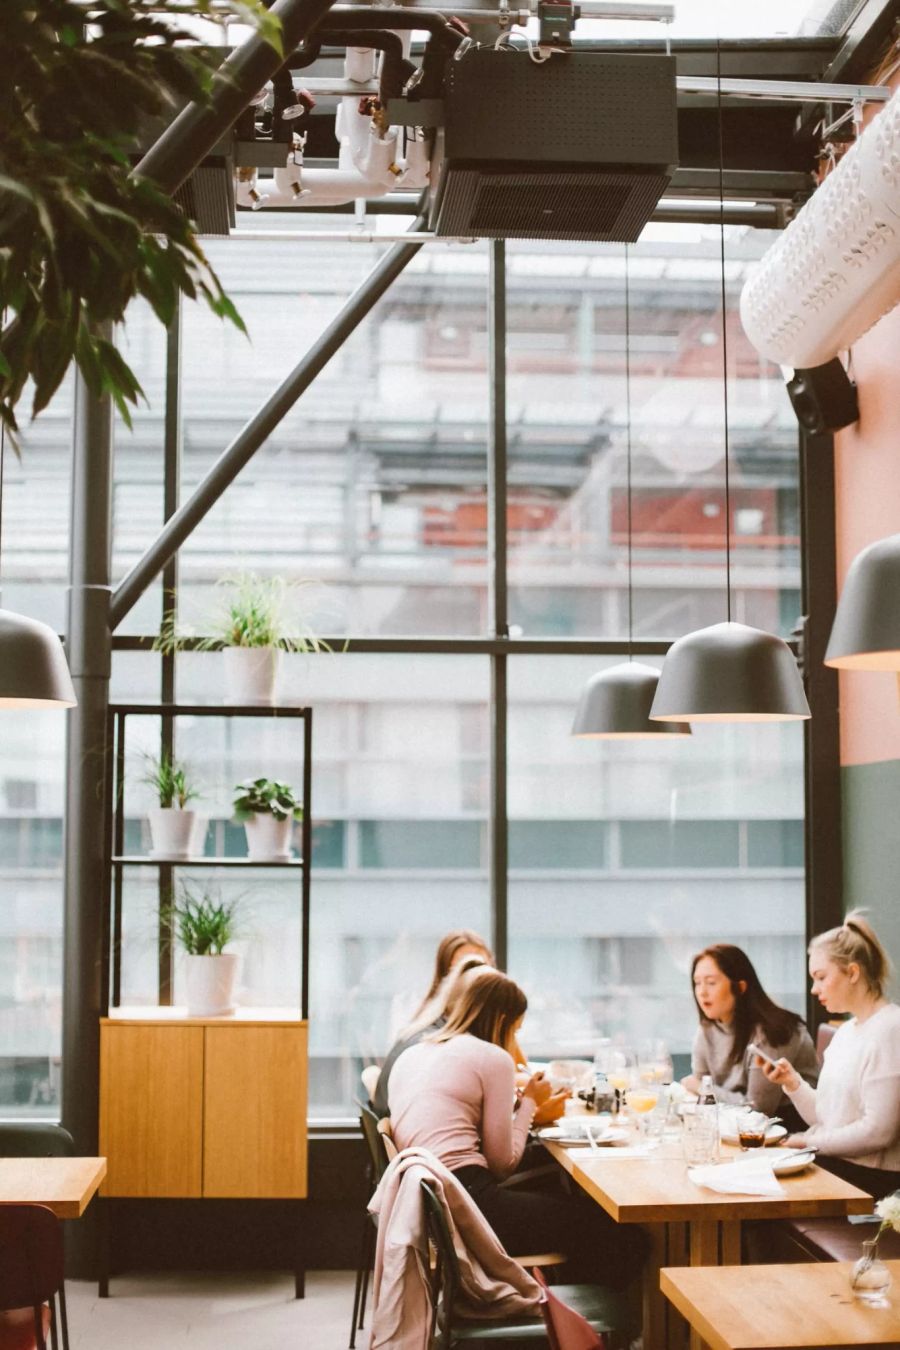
871,808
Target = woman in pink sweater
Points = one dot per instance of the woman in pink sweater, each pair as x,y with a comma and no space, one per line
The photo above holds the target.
454,1094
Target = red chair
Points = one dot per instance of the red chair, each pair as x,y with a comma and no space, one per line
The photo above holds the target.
31,1276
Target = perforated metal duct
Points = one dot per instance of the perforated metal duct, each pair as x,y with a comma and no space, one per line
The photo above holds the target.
836,268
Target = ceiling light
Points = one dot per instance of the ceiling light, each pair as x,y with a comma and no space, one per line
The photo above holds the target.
865,634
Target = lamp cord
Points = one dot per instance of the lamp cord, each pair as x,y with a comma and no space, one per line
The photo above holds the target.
724,324
628,456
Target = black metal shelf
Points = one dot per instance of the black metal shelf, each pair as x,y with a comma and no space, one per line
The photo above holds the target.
144,860
119,860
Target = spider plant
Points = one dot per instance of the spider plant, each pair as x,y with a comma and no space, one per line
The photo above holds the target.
252,613
169,780
202,922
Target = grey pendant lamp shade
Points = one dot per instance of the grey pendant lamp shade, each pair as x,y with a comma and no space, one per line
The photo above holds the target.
33,668
615,705
730,673
865,634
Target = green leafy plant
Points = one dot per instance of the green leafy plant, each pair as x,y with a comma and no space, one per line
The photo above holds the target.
263,796
170,781
80,234
252,613
202,923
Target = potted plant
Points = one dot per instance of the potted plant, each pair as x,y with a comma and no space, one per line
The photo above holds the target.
268,811
175,831
251,628
203,924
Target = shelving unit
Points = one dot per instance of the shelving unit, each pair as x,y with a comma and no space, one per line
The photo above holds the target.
119,860
199,1108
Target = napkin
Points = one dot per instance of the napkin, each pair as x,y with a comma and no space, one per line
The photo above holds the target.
750,1176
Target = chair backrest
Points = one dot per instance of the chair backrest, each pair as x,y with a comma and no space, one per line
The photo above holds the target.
31,1256
375,1141
35,1139
387,1138
445,1270
370,1076
823,1039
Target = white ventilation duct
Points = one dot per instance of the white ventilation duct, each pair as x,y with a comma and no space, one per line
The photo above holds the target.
836,268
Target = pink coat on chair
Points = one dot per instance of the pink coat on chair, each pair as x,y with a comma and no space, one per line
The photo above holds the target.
492,1284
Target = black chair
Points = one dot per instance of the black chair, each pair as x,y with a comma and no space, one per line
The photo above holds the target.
601,1307
376,1143
40,1139
31,1276
35,1139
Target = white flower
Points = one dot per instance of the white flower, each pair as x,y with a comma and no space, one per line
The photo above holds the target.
888,1210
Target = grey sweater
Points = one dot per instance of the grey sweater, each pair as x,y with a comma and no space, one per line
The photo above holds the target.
745,1081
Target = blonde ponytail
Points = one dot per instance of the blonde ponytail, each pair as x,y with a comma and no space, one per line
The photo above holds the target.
856,941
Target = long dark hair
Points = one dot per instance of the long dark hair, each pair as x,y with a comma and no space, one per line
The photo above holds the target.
753,1009
448,946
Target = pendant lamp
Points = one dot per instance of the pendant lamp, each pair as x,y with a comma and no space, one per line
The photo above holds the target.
615,703
728,672
865,634
34,672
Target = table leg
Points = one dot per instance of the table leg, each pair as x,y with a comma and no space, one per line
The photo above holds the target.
300,1253
104,1219
713,1244
730,1243
654,1301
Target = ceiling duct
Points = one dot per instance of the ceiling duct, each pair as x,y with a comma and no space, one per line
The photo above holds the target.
835,270
579,146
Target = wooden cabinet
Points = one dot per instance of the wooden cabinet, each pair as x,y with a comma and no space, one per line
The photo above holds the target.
203,1107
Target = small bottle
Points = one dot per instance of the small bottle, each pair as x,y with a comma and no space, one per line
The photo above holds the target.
708,1107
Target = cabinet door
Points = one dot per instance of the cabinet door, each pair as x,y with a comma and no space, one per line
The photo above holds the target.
254,1135
151,1109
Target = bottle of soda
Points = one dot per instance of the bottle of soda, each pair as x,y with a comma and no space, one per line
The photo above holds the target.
708,1108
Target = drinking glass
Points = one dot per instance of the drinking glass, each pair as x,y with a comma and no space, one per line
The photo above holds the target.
623,1068
700,1136
641,1100
751,1128
655,1062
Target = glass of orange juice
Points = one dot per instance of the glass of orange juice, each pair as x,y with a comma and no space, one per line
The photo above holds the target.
642,1100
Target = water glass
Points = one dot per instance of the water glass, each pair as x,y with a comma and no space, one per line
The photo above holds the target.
700,1137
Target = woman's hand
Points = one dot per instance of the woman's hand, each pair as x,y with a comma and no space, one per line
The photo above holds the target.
538,1089
691,1084
796,1141
781,1072
552,1109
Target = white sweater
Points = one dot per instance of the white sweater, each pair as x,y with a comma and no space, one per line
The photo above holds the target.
855,1111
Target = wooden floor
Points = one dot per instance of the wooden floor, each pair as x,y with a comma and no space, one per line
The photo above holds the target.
214,1312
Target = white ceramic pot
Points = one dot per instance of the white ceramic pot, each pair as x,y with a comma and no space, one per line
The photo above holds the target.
210,982
268,839
175,833
251,674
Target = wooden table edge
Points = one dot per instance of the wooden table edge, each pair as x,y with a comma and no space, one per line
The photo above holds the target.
723,1209
690,1314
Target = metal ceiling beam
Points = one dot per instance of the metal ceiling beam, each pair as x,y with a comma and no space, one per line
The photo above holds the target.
242,449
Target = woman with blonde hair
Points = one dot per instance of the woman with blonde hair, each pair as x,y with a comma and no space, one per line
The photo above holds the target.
853,1116
454,1095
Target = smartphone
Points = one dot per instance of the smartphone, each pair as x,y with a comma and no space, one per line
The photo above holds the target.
755,1050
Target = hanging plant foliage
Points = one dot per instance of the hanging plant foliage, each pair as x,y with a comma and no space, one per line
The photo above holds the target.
80,234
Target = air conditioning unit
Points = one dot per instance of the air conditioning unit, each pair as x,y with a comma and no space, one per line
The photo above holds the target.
581,146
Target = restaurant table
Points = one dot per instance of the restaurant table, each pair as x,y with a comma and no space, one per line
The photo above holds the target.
65,1185
688,1225
781,1307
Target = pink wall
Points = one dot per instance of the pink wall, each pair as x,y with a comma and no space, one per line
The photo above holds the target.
867,490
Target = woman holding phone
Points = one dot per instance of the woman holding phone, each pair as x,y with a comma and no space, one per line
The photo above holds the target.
453,1094
853,1116
737,1017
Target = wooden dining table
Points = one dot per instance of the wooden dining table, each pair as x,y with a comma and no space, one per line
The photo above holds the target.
686,1224
782,1307
65,1185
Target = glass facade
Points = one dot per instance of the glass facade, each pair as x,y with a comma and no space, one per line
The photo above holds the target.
623,859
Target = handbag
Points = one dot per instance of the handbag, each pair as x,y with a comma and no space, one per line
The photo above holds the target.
566,1328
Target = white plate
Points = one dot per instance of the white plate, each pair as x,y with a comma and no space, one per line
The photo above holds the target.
787,1161
774,1135
560,1134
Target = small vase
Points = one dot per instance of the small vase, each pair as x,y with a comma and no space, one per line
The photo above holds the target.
209,982
268,839
251,674
174,833
870,1278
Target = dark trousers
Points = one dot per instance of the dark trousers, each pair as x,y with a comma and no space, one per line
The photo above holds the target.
530,1221
875,1180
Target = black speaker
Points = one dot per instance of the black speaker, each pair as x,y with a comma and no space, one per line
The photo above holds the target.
823,397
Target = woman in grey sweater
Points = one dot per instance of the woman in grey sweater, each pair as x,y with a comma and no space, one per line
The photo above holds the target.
735,1013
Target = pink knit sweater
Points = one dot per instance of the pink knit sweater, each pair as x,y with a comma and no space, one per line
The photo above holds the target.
455,1098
